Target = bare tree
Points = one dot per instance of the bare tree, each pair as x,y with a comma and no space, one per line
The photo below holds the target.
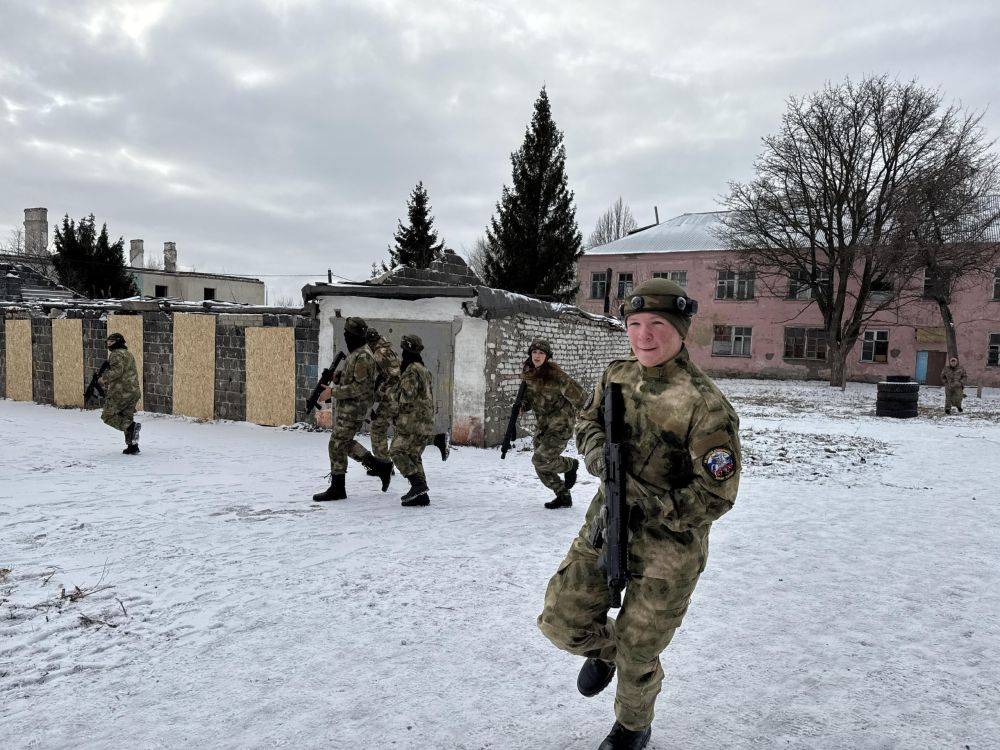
153,262
476,258
613,224
15,242
829,200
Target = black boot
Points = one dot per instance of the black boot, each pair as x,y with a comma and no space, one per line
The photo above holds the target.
132,439
373,472
571,475
595,675
562,500
621,738
441,441
335,492
417,494
379,467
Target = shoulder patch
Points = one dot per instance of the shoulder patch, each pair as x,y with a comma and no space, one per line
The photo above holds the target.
720,463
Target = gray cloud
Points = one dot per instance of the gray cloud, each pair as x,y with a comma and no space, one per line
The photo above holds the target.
283,137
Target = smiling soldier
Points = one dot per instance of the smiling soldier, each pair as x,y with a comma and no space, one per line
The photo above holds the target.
682,473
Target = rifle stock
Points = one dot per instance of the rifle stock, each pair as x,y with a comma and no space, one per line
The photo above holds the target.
324,380
614,559
511,435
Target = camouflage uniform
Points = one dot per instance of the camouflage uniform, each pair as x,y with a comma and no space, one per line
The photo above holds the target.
554,397
682,474
354,395
121,383
954,386
414,409
387,363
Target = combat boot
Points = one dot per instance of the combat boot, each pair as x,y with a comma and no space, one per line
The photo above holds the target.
562,500
379,467
441,442
131,450
373,472
621,738
336,490
570,476
595,675
417,494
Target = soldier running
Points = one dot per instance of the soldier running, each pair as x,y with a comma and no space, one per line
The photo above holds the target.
354,389
414,407
121,383
953,377
555,398
387,363
683,472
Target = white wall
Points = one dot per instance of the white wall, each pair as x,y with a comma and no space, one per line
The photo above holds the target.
191,287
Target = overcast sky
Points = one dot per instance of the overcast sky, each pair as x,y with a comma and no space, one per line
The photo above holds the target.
283,136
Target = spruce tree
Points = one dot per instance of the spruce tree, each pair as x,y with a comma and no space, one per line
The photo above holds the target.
533,241
89,263
417,243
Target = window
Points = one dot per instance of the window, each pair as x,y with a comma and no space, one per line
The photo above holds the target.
679,277
734,285
875,347
881,290
805,343
624,284
731,341
598,284
996,283
993,352
209,293
161,291
799,286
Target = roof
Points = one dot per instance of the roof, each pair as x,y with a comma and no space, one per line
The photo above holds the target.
200,274
684,233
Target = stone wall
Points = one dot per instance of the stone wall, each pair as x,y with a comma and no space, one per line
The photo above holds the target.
95,348
306,362
581,346
3,356
230,365
42,390
158,362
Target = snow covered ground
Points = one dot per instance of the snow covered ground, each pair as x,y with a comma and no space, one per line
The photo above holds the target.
194,596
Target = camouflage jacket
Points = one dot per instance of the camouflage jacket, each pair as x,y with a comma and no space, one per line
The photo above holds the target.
414,401
121,379
953,376
683,467
387,362
357,378
553,399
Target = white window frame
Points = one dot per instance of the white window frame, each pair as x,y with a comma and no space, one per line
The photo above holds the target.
740,343
678,277
869,341
735,285
625,286
594,281
800,286
814,339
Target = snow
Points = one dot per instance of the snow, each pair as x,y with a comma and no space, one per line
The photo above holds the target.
850,599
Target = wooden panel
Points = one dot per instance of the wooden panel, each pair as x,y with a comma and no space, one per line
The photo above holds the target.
927,335
270,388
67,362
130,326
17,345
194,365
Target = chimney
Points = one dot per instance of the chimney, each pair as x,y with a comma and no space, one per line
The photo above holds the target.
656,212
170,257
36,231
135,254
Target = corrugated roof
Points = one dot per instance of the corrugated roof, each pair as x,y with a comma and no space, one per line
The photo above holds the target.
684,233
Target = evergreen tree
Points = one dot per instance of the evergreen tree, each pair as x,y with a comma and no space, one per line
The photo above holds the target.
416,244
533,242
87,262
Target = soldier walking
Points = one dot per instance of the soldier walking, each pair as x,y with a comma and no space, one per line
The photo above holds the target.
953,377
354,390
387,364
121,383
414,407
683,468
555,398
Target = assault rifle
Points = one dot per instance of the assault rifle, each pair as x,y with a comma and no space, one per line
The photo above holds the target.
614,559
95,384
325,378
511,435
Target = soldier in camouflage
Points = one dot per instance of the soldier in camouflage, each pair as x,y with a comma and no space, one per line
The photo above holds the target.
683,472
414,402
387,364
555,398
354,390
121,384
953,377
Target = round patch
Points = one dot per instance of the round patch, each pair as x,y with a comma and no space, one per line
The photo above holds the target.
682,304
720,463
637,303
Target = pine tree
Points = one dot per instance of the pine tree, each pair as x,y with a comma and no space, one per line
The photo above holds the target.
87,262
533,241
416,244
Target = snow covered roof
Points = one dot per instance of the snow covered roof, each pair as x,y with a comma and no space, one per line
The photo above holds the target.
684,233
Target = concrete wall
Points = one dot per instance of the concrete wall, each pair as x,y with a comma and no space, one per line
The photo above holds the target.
191,286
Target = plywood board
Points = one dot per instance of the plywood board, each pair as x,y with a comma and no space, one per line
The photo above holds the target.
194,365
67,362
130,326
931,335
270,387
17,345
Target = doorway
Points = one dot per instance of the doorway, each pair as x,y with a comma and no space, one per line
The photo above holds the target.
929,366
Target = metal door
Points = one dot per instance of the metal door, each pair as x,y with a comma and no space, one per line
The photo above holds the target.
935,363
921,374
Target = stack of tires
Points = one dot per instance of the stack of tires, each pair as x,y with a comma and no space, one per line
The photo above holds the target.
897,397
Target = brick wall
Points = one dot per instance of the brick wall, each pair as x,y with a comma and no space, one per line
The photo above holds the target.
41,361
306,362
581,346
95,348
158,362
230,365
3,357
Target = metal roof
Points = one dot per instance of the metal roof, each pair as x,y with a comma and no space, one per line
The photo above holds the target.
684,233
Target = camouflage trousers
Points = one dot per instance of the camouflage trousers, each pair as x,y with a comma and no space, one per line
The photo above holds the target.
575,619
118,415
549,442
406,449
379,429
953,395
350,418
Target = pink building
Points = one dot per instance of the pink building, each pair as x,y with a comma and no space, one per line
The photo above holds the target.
744,330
